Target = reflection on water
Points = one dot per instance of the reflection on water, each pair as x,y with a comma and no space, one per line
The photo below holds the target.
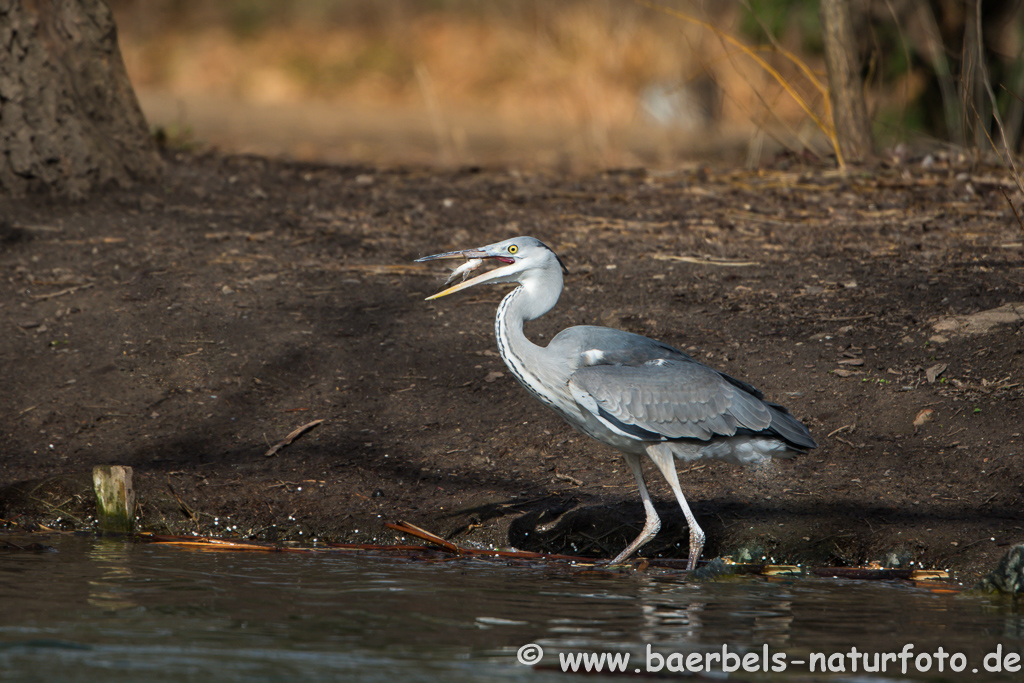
111,610
110,556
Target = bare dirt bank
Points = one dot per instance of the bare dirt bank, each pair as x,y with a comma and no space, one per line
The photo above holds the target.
183,329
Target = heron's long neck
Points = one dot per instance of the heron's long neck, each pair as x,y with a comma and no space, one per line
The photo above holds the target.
529,362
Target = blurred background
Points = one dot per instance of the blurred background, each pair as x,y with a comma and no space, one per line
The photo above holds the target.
572,84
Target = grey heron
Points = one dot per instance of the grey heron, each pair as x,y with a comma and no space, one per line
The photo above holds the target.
638,395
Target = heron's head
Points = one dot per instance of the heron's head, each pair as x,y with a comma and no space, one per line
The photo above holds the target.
520,257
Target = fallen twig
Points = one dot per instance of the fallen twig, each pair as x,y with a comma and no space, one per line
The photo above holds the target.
296,433
54,295
843,428
706,260
184,508
569,478
413,530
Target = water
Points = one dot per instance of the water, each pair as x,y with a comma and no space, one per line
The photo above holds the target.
113,610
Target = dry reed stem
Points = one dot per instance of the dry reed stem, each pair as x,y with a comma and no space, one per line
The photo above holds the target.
826,126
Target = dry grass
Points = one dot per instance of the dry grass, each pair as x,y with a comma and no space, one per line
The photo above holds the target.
586,65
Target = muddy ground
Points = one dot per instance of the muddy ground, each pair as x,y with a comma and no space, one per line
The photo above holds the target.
184,328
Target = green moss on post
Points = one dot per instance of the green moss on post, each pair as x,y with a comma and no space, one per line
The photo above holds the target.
115,498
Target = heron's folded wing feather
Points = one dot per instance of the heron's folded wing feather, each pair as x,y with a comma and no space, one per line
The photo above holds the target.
606,346
674,399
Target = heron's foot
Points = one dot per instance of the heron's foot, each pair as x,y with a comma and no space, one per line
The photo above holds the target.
696,547
651,526
623,558
628,565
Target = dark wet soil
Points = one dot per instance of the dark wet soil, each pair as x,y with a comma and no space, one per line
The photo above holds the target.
184,329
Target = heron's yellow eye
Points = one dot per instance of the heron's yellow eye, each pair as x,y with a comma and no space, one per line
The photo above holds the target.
512,248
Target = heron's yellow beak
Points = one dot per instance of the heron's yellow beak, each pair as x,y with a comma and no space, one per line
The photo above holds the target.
502,274
497,275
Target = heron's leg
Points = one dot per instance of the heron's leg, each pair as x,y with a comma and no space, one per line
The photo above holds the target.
666,462
651,523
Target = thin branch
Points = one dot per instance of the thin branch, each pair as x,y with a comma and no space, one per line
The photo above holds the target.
799,63
294,434
1012,207
826,126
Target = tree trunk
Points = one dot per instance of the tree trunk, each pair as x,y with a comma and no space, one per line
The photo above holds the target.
846,92
69,120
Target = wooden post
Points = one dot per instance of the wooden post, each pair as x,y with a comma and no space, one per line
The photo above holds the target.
845,89
115,498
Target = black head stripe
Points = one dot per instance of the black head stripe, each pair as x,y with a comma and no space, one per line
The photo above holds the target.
560,261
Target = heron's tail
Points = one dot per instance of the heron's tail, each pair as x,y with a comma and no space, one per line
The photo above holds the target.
789,429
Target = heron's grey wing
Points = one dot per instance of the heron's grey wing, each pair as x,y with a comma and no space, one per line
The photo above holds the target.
668,399
608,346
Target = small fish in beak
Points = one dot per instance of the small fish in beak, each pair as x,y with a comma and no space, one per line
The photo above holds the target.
464,270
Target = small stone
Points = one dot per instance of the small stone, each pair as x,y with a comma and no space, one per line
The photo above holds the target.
922,417
934,371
